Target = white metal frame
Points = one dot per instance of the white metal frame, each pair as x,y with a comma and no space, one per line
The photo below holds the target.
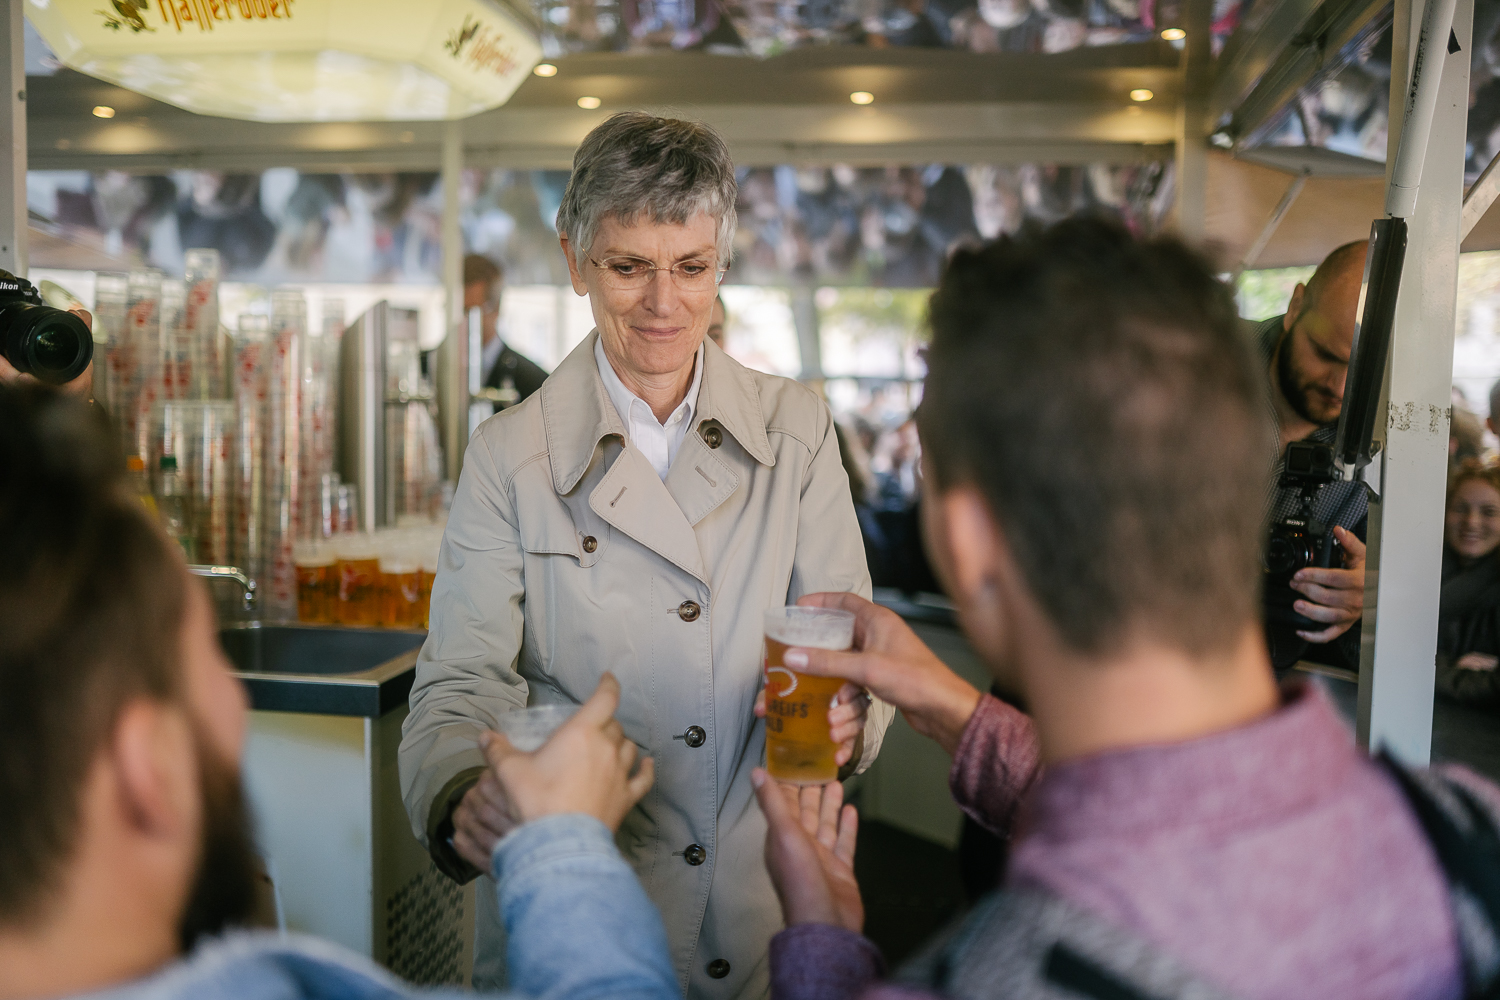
1403,574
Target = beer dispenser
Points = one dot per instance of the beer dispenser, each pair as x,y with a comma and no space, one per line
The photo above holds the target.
389,444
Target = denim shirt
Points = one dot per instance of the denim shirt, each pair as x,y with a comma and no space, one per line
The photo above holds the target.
580,926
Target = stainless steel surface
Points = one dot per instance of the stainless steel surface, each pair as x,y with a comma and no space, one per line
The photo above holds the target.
247,585
323,669
361,397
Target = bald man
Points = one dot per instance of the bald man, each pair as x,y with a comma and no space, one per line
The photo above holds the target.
1306,351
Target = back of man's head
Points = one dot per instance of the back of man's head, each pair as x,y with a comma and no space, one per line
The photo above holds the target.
479,269
91,602
1094,389
1342,268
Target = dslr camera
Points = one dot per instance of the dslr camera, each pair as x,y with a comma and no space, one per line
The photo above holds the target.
50,344
1299,540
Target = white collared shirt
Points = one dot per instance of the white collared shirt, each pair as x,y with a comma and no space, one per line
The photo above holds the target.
657,440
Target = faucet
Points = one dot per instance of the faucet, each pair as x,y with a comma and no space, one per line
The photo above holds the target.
229,573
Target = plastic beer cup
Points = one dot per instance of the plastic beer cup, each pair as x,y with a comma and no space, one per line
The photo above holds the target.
799,744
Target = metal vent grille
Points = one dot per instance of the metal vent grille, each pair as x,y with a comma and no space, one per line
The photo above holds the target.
424,930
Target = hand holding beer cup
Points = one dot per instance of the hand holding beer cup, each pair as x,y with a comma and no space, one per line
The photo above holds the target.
587,766
888,660
802,711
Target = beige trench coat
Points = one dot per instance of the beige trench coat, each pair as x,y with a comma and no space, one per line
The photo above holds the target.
566,556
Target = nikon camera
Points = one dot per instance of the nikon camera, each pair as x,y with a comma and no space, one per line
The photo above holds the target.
1299,540
38,340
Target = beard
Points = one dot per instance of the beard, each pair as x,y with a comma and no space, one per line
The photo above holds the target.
223,893
1299,394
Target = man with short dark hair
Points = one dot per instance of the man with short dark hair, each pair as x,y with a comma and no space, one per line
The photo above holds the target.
1095,447
1306,352
123,834
514,376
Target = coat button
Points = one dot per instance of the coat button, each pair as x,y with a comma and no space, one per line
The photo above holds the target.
695,855
590,543
689,611
694,736
718,969
713,437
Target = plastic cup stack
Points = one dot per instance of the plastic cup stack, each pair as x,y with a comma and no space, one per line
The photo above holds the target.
200,323
251,344
119,359
283,450
178,360
143,332
201,435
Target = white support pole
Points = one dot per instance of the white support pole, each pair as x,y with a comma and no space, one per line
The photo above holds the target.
13,124
1403,575
453,355
1191,160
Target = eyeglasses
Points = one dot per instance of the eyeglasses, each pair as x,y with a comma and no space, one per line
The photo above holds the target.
631,273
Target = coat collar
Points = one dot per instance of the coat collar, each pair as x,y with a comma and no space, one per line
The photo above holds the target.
577,413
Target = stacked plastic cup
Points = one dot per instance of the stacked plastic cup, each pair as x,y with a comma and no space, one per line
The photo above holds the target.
283,451
143,332
119,359
178,362
200,322
319,423
201,436
252,343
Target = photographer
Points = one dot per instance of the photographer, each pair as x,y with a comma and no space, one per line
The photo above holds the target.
1306,352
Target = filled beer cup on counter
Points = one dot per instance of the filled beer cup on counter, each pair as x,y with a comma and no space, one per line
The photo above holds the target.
799,742
359,580
317,582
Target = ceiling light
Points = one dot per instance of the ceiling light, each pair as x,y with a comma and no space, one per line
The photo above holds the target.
862,97
589,103
1173,34
104,111
1141,94
544,69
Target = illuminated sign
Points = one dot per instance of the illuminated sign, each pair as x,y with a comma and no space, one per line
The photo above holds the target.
299,60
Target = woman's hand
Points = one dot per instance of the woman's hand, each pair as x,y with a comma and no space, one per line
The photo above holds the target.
846,720
481,818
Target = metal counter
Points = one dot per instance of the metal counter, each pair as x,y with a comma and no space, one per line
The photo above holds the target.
323,670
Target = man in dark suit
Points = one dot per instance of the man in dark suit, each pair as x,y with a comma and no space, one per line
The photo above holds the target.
513,376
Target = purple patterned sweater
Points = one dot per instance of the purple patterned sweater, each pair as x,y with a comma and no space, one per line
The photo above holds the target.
1275,859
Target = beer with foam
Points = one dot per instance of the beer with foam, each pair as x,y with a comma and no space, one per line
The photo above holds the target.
799,746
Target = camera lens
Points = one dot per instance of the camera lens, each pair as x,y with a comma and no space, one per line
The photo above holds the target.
52,345
54,349
1281,555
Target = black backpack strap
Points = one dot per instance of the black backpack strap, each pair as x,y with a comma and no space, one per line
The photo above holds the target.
1080,975
1465,838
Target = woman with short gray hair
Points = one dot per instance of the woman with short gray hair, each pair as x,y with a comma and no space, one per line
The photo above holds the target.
637,515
